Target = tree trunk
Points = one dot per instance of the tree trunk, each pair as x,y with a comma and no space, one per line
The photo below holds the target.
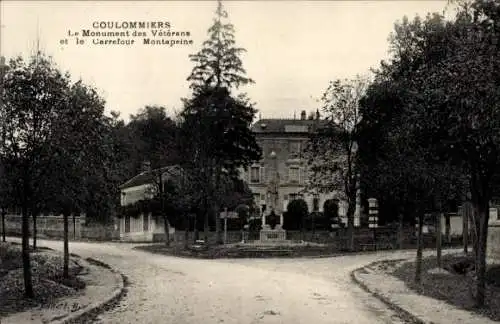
313,225
34,230
205,224
28,284
167,230
66,245
215,208
400,231
350,225
218,226
196,233
482,214
74,227
3,224
447,230
166,226
438,239
418,263
466,215
303,228
475,231
186,231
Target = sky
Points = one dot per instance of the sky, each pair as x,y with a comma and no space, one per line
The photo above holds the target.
294,48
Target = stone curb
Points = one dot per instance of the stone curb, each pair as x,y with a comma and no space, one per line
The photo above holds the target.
405,314
95,308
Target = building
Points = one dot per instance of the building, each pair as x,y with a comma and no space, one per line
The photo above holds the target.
282,173
144,227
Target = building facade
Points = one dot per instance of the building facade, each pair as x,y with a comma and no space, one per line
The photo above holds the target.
144,227
282,174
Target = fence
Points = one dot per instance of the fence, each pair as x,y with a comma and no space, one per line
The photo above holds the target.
52,226
385,237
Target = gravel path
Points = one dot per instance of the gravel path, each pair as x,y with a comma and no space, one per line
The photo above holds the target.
175,290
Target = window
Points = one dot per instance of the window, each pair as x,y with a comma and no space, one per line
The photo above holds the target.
285,197
262,197
255,174
256,197
293,196
294,148
293,175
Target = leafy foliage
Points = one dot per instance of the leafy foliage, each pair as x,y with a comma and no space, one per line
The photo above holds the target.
215,131
218,63
295,216
437,135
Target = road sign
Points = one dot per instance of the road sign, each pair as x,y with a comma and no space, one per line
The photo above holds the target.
230,214
373,213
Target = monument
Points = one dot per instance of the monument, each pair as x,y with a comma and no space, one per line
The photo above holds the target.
271,229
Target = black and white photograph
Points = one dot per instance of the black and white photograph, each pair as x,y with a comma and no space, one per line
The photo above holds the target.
250,162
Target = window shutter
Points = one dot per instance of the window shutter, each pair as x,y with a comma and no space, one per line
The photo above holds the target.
262,174
285,175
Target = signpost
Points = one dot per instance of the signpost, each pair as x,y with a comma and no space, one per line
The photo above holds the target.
373,216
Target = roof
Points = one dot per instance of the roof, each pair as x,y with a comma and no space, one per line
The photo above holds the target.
279,125
147,177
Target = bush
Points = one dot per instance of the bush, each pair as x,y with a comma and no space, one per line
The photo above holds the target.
255,225
331,211
320,221
493,275
295,215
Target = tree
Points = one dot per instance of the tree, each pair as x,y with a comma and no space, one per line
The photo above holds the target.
216,126
296,215
332,148
218,70
466,90
5,183
218,63
32,95
449,71
331,212
156,141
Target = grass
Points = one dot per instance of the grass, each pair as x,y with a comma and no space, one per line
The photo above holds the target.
238,251
48,282
454,288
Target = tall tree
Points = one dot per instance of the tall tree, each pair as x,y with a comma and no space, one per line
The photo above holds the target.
218,63
460,95
449,73
217,127
218,70
332,147
32,95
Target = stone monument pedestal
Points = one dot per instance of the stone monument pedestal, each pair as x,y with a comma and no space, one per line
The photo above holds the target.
272,235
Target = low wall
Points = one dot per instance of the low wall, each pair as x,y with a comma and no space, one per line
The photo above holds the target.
232,236
52,226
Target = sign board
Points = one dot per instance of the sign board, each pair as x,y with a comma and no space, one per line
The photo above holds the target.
230,214
372,203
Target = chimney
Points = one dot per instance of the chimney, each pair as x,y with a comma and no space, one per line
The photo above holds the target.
317,114
146,166
303,115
